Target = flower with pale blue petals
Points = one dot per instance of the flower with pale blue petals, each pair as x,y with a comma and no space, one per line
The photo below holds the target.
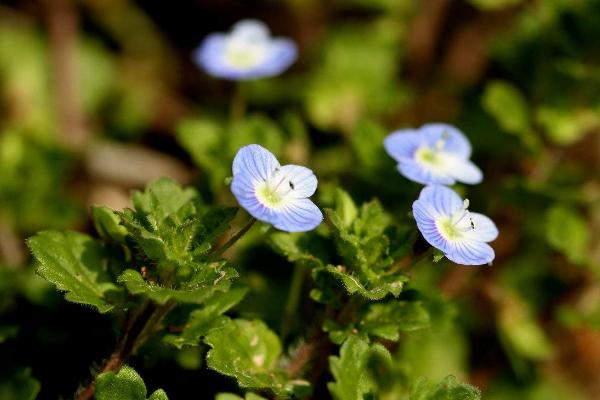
446,223
435,154
247,52
278,195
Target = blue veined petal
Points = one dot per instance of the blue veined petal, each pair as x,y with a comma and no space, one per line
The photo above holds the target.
454,140
485,229
300,183
300,215
420,173
470,252
425,215
402,144
444,200
255,163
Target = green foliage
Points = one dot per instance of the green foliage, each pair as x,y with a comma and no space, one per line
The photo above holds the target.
339,92
352,379
231,396
249,352
210,316
107,224
124,385
32,184
19,386
213,144
448,389
382,320
567,232
523,336
207,279
76,264
364,248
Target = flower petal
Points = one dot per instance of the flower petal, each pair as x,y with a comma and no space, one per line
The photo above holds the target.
254,207
421,173
444,200
209,55
254,162
425,215
471,252
300,215
250,29
485,229
282,53
454,140
402,144
460,169
301,181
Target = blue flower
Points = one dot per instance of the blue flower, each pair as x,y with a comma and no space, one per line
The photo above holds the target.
433,154
273,193
445,222
247,52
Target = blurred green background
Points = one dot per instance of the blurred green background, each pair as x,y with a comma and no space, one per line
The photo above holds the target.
98,97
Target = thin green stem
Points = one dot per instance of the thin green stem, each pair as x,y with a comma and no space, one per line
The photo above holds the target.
293,299
221,250
238,103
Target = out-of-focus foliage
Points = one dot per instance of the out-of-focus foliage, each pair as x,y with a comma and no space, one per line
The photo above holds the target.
355,309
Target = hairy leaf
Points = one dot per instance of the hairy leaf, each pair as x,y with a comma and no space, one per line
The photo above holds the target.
124,385
208,279
249,352
76,264
447,389
209,317
350,370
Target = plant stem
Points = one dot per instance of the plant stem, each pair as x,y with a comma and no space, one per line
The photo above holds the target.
221,250
138,329
238,103
292,300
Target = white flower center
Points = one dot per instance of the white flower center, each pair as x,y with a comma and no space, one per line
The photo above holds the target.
457,225
246,47
434,157
274,192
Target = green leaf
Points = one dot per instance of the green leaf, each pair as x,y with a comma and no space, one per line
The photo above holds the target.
345,207
249,352
565,126
367,138
521,334
385,320
209,317
163,198
108,224
231,396
169,226
567,232
375,289
350,370
76,264
208,279
20,386
212,224
124,385
507,105
447,389
296,247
